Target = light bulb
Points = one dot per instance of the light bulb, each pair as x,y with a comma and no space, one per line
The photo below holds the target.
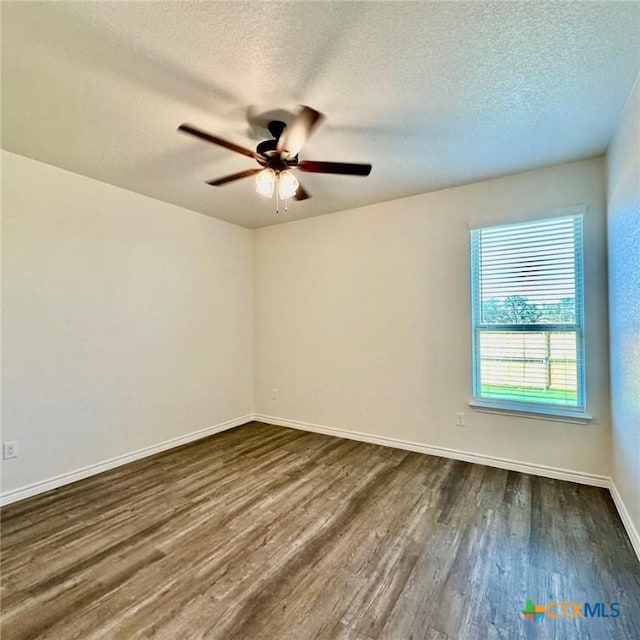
265,181
287,185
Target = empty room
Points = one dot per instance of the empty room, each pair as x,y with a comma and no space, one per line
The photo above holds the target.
320,320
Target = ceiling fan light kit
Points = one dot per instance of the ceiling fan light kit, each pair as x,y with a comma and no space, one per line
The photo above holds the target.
279,156
287,184
265,182
286,181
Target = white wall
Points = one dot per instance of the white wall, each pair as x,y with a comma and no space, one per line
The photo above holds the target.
623,228
126,321
363,319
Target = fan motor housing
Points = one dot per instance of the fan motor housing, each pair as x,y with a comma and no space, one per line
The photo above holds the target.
268,149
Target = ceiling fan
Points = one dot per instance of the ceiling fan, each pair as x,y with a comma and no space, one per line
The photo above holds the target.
278,156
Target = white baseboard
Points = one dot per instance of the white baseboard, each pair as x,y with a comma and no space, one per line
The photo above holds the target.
632,532
66,478
444,452
501,463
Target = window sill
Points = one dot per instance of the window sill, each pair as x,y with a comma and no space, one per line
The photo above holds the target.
551,414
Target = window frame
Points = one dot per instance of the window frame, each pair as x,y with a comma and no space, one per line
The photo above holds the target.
576,413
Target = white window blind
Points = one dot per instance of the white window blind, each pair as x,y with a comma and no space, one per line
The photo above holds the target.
527,294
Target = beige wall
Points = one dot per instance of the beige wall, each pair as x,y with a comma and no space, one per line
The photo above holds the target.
126,321
623,227
362,319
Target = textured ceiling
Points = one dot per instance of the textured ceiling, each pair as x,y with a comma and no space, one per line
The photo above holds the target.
432,94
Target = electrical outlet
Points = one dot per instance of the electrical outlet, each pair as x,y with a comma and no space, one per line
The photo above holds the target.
274,394
460,419
10,449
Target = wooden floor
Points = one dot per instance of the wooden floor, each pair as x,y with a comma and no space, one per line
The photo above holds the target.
268,533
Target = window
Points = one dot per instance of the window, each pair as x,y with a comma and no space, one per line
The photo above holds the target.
527,314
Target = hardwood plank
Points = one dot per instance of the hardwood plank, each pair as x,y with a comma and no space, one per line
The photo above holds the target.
264,533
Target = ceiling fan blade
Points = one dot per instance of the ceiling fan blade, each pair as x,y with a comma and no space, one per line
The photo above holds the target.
203,135
234,176
298,131
344,168
302,193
